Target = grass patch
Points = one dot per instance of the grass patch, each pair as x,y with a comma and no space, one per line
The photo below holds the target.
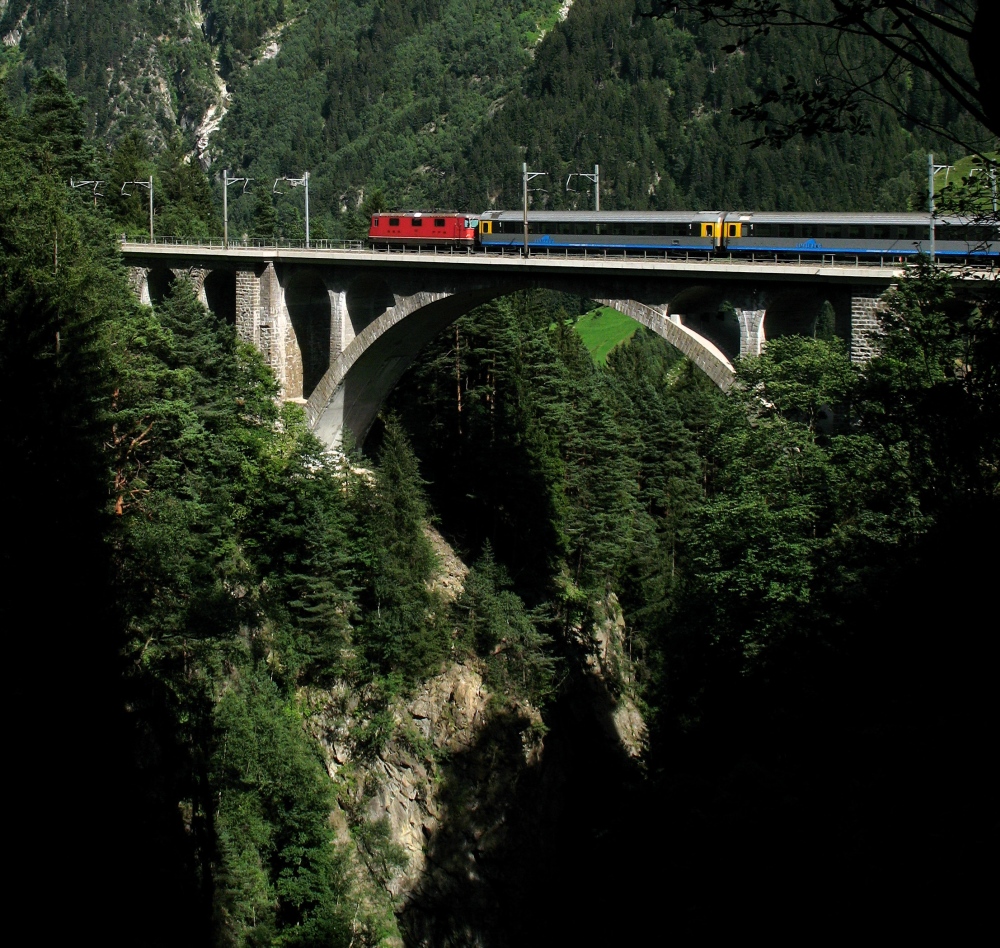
950,183
602,329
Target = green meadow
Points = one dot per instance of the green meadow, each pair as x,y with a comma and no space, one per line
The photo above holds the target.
602,329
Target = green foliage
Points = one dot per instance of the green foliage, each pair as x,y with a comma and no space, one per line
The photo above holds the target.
491,619
145,64
399,632
382,856
283,878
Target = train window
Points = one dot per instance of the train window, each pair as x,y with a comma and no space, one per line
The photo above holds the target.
439,222
971,233
417,221
856,231
833,230
394,222
810,230
786,230
734,230
880,231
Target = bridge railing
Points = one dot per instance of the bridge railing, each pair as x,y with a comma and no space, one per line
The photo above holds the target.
249,243
878,261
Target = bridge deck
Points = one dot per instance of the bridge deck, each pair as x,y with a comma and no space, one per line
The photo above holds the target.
882,270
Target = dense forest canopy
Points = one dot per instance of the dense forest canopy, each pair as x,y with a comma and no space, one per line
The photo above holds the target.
872,51
794,572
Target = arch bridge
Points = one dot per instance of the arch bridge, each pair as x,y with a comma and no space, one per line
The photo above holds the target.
340,327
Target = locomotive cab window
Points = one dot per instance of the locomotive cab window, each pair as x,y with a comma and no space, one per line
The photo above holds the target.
394,222
439,222
417,222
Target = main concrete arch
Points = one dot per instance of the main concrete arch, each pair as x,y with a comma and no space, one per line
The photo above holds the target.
703,310
350,395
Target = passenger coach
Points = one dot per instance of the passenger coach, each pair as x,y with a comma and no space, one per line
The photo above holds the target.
602,230
903,235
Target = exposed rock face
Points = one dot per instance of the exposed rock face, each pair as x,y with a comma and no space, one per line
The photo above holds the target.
445,717
611,671
461,789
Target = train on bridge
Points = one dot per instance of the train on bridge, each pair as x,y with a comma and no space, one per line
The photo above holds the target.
732,233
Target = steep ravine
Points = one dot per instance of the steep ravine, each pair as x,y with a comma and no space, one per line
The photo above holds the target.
506,820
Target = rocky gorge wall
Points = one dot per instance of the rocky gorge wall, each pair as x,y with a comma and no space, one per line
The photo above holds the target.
466,800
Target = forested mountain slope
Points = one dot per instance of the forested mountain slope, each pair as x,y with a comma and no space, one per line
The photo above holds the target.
437,103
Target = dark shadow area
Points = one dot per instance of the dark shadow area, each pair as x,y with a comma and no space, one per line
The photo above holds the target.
220,292
793,314
850,787
704,311
308,303
719,326
368,298
158,282
539,854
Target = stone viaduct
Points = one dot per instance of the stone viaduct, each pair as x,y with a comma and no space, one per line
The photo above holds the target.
340,327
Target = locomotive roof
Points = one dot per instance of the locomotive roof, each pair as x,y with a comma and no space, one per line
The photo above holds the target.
421,214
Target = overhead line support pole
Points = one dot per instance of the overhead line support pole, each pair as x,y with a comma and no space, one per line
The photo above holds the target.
527,176
226,181
932,169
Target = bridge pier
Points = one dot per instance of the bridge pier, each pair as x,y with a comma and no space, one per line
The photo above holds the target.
751,322
865,328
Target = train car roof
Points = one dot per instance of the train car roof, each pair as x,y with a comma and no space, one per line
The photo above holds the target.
827,217
601,217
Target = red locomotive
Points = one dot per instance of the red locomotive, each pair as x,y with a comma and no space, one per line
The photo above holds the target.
422,229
